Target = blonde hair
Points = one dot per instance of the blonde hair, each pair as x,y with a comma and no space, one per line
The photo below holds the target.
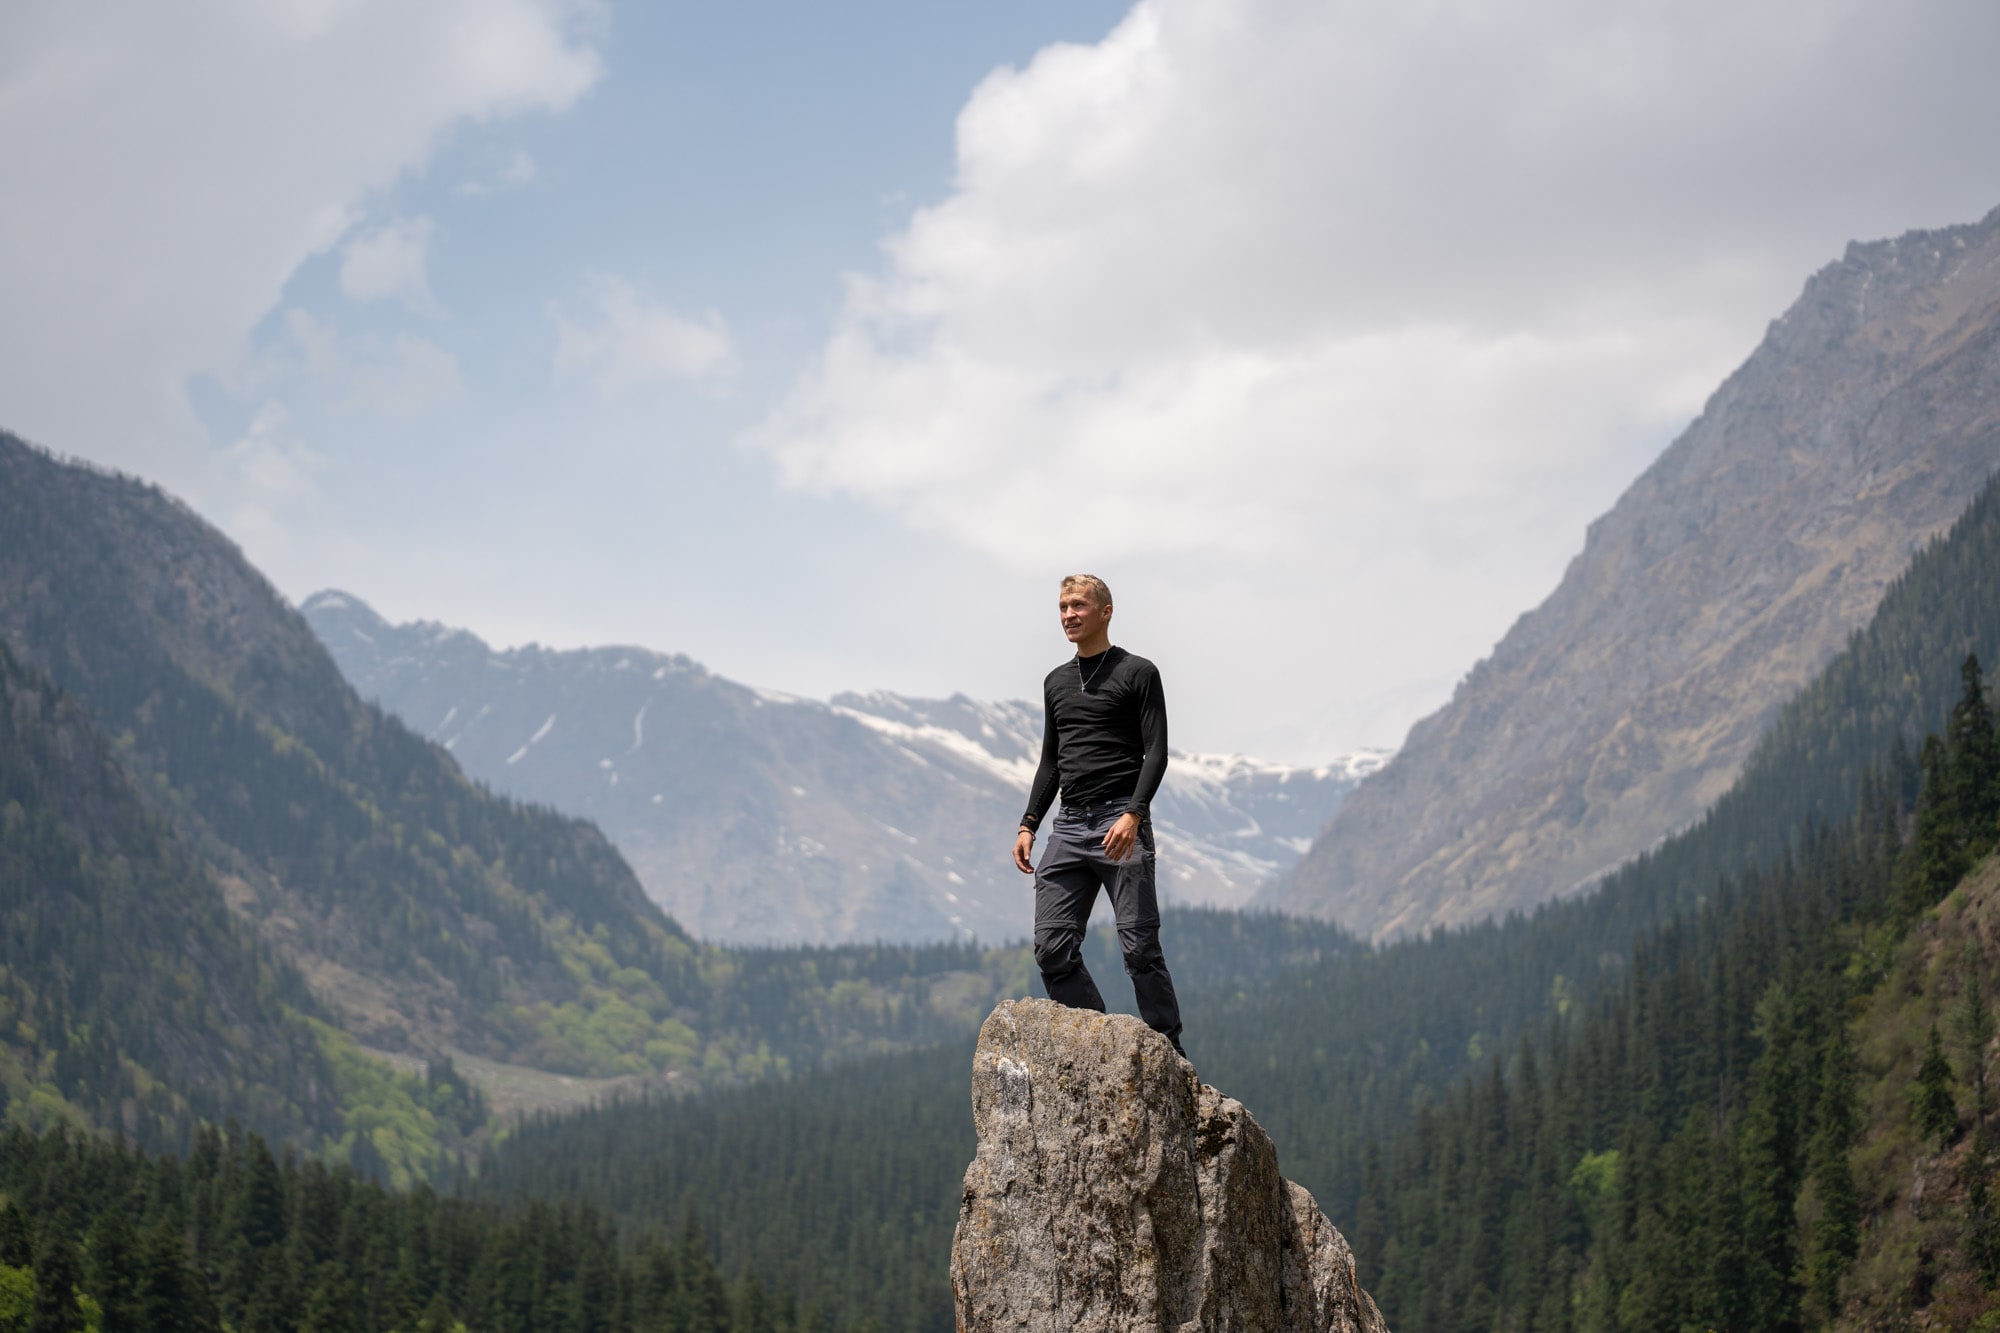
1100,591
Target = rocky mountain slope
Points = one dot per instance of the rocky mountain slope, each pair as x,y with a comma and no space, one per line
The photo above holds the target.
1111,1189
1730,572
758,818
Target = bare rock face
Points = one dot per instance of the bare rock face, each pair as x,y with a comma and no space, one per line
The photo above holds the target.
1724,580
1112,1191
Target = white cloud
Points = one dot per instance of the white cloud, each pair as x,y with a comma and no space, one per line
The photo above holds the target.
520,170
628,340
271,459
400,377
1366,309
166,169
387,263
264,477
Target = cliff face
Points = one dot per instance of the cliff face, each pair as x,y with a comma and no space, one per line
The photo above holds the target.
1113,1191
1719,584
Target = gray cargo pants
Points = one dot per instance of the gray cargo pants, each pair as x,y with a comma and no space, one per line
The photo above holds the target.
1073,867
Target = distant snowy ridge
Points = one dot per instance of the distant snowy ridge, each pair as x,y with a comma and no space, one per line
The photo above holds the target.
758,817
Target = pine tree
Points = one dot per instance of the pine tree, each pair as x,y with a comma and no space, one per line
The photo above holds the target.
704,1294
1767,1153
113,1263
1723,1279
753,1308
330,1307
1939,848
1371,1217
596,1282
1836,1231
404,1294
1932,1103
1974,763
17,1243
171,1294
272,1301
437,1318
260,1202
57,1274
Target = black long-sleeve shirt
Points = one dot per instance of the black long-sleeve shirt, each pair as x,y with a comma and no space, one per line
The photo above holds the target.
1104,735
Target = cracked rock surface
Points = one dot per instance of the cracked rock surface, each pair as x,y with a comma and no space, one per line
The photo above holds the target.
1114,1191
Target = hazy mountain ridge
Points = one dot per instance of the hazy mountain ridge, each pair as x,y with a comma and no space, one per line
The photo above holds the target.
760,817
1727,575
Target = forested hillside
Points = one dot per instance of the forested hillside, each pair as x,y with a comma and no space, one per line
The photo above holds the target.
825,1182
1348,1052
94,1236
130,994
425,915
1336,1056
321,871
371,890
842,1186
425,907
1694,1153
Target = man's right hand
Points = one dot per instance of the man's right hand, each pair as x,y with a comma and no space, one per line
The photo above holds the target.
1024,851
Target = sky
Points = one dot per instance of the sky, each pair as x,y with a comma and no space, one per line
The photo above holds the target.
817,342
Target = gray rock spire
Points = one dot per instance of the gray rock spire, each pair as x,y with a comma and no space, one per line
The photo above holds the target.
1113,1192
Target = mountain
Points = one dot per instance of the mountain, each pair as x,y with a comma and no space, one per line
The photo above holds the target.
131,995
424,910
237,889
1733,569
426,917
1340,1050
764,818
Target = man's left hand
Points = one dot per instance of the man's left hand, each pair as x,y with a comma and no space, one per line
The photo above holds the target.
1119,838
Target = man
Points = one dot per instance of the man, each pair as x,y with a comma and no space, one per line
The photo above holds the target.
1104,745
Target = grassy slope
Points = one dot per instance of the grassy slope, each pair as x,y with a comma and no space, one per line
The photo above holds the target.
131,996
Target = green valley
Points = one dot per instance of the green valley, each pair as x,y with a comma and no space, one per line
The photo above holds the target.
340,943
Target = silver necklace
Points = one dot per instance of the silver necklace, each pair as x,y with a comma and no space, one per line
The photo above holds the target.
1083,684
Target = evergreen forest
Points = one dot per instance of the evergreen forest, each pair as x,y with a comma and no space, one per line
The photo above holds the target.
1354,1060
1743,1083
98,1238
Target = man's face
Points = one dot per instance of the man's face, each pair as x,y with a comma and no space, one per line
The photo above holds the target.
1082,617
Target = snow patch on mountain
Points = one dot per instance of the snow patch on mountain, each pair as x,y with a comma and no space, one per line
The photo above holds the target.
756,816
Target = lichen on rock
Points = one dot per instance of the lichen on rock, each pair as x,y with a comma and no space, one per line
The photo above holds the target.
1113,1192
